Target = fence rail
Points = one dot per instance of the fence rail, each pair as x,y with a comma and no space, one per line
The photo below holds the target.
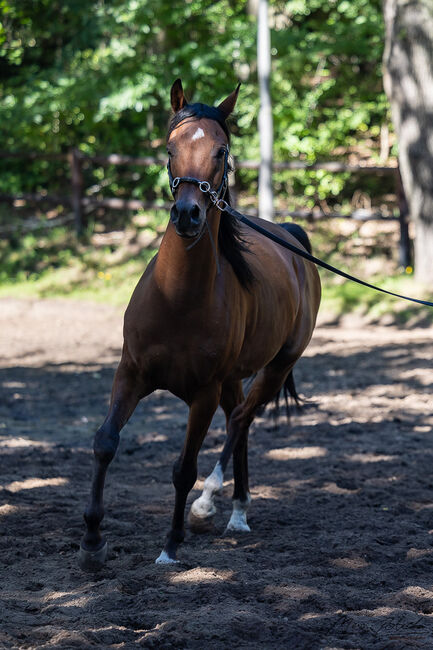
79,202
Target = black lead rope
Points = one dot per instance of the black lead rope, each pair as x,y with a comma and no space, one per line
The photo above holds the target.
316,260
216,198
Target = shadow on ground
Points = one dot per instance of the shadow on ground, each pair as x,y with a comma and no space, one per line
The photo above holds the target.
340,552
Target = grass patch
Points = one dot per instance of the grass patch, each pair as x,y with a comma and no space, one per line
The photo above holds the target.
103,265
348,297
106,263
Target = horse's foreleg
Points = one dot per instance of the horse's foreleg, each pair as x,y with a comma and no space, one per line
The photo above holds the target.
185,468
203,508
124,399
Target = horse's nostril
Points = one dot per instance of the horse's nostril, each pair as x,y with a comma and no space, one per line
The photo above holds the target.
185,216
195,213
174,214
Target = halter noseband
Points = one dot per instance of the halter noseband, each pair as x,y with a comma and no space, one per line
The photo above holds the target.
216,196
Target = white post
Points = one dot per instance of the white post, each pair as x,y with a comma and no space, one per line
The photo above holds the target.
266,210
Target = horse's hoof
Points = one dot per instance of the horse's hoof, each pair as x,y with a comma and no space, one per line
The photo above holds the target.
92,560
200,524
237,528
202,508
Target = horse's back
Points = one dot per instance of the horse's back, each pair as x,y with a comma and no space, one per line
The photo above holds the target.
270,258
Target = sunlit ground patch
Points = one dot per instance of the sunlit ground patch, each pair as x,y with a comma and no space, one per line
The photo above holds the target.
370,458
378,612
423,377
7,509
296,453
31,483
202,574
266,492
333,488
418,592
13,443
152,436
350,563
415,553
293,592
66,599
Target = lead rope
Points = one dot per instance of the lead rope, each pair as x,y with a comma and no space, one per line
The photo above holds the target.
225,207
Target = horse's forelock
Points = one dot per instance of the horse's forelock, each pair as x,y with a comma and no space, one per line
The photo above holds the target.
197,111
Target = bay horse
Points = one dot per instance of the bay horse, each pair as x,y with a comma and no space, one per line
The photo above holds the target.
217,304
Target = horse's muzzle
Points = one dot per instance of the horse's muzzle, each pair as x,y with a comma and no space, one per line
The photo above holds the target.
187,218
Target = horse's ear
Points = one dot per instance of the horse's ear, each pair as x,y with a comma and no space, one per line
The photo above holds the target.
228,104
178,100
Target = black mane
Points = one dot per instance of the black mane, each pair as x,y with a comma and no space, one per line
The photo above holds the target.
231,243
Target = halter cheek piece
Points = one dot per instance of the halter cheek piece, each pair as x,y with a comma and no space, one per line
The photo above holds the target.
216,196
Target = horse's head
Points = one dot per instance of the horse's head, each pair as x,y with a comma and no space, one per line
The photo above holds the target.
197,145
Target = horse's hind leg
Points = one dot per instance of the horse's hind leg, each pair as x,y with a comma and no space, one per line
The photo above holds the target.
203,508
124,399
241,492
266,385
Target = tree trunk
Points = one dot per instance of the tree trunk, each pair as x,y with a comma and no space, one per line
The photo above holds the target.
266,210
408,81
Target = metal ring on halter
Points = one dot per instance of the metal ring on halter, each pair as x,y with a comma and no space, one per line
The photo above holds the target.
175,182
204,186
221,204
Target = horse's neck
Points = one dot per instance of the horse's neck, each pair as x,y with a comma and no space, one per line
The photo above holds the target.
184,270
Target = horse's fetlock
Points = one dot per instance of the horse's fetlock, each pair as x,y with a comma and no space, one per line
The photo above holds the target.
176,536
93,515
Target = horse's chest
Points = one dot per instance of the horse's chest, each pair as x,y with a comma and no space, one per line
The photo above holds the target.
180,363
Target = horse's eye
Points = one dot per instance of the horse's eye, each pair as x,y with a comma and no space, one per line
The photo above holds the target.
169,153
221,152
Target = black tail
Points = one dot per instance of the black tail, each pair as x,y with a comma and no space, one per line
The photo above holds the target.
289,391
299,233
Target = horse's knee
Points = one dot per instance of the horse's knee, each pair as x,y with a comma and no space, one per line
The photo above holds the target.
105,443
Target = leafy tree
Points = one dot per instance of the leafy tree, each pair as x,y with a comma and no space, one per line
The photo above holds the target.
409,73
96,74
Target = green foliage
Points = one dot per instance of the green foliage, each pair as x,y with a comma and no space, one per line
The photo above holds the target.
96,74
55,264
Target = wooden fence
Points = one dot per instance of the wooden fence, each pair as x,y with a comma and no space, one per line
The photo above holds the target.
80,202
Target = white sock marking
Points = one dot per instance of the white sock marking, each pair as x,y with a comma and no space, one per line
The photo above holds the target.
165,559
238,519
198,134
204,507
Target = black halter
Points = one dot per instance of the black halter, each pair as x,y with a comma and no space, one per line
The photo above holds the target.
205,187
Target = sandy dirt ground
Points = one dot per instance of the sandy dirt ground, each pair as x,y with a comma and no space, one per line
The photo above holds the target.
340,554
